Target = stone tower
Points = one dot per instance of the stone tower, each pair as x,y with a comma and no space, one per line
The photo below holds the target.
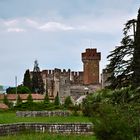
91,60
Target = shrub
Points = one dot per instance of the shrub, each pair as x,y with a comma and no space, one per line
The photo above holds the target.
68,102
57,100
29,98
110,124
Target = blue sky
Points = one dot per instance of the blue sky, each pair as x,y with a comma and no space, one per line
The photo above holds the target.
55,32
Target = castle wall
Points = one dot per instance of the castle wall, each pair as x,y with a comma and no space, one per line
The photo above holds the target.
67,83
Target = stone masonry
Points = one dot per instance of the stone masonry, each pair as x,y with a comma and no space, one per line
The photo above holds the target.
62,128
42,113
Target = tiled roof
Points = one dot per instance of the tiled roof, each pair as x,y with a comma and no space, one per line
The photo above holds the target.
3,106
22,96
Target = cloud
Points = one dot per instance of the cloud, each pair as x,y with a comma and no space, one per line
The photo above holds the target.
55,26
11,22
32,23
15,30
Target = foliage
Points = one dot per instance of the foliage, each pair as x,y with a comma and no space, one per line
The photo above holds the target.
91,103
120,66
20,89
46,99
124,60
37,82
68,102
136,58
1,88
111,124
117,108
27,80
57,100
19,100
5,100
29,99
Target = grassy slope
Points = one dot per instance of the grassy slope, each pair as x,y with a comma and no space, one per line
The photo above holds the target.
10,117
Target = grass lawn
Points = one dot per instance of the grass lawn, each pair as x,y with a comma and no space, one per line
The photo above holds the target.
45,136
10,117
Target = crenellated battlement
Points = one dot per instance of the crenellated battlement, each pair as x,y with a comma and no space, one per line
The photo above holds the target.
91,54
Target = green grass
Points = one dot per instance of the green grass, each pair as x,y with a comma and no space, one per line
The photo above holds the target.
45,136
10,117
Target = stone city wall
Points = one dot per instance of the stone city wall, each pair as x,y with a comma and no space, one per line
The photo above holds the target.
68,128
42,113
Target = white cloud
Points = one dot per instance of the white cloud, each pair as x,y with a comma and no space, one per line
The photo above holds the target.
32,23
15,30
55,26
11,22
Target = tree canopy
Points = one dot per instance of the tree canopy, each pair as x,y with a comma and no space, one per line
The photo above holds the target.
122,66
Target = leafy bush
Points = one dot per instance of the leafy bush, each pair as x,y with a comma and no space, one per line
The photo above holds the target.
110,124
20,89
68,102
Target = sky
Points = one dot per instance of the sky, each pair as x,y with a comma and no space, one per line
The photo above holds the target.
56,32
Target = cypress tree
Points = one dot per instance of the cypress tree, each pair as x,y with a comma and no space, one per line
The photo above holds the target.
29,99
27,79
19,100
68,102
136,57
37,81
46,98
57,101
5,100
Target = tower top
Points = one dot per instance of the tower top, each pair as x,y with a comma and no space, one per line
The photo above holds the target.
91,54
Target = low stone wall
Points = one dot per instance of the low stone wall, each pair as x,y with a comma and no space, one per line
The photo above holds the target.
74,128
42,113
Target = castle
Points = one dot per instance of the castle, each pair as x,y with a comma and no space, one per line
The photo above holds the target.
74,83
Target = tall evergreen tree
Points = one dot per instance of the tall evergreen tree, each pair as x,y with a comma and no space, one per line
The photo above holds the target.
29,99
5,100
120,66
27,79
57,100
19,100
37,81
136,58
46,98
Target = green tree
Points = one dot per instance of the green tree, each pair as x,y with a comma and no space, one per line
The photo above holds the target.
5,100
1,88
19,101
20,89
136,58
111,124
37,81
29,99
27,80
68,102
120,66
57,100
46,98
